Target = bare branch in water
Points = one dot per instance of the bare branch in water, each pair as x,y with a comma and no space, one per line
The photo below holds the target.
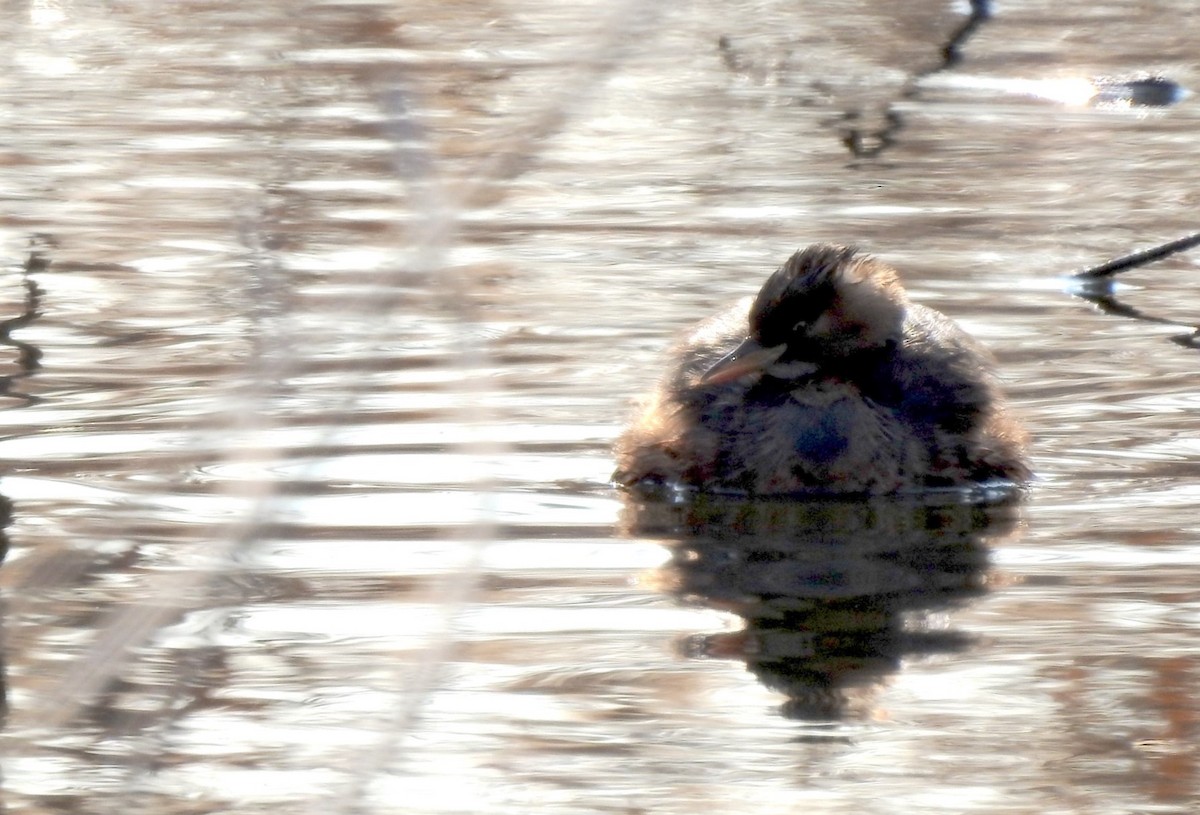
1095,285
1141,258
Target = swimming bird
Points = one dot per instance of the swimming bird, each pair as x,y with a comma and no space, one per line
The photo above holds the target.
828,381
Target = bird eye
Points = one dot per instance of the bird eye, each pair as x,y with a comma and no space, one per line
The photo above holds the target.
800,327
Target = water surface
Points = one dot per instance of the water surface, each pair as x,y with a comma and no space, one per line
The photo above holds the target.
320,318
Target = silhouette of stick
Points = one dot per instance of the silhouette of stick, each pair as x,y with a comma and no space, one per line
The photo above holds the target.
1122,264
1096,286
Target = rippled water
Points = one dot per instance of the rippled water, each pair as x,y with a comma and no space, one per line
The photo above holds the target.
319,319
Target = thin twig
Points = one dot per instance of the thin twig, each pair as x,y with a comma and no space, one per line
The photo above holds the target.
1133,261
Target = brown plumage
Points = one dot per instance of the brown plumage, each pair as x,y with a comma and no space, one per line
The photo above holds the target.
828,381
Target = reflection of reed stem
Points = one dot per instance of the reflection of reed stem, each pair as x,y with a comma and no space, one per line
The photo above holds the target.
29,357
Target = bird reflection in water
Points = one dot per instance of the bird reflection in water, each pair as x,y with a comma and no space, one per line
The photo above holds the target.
835,594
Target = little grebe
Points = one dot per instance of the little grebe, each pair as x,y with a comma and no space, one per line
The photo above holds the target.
828,381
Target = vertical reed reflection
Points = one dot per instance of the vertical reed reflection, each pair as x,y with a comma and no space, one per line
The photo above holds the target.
28,357
26,363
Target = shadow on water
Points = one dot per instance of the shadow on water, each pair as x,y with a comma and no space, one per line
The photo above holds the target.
833,593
